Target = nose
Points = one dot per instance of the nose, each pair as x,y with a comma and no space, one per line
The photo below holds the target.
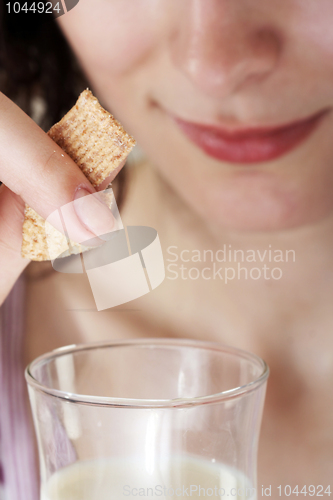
221,49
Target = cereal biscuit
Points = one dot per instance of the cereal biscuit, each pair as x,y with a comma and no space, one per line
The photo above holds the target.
98,144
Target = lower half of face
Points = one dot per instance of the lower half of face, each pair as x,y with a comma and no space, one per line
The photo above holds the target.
292,190
242,136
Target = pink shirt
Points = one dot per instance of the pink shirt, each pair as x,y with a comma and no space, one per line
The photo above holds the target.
17,460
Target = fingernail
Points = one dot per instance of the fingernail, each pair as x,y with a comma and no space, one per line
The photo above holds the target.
93,213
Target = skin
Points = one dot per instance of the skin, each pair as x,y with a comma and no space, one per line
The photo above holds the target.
31,175
245,63
218,63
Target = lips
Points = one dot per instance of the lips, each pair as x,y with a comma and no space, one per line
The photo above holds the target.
251,145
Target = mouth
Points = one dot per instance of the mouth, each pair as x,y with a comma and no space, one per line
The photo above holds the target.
249,145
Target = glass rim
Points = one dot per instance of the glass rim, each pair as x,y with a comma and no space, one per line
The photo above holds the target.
147,403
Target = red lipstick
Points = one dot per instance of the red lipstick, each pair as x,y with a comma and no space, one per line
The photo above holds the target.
251,145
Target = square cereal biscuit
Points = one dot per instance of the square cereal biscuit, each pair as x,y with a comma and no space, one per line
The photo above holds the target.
98,144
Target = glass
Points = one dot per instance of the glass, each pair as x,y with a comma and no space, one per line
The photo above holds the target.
151,418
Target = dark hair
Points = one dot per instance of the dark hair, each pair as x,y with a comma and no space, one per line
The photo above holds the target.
37,62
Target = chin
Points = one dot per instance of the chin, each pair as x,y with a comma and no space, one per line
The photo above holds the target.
262,206
258,218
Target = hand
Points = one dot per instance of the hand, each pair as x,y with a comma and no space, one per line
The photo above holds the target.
34,170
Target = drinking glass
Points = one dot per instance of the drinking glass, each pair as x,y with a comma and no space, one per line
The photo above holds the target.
151,418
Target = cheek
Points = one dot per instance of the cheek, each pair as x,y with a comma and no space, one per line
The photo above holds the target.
111,35
311,27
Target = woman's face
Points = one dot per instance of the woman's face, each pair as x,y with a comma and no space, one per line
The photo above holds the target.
231,99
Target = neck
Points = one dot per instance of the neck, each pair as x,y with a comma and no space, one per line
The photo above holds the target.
244,282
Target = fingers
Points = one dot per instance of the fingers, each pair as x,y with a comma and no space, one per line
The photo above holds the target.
36,169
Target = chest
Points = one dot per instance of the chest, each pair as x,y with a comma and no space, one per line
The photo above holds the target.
296,446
